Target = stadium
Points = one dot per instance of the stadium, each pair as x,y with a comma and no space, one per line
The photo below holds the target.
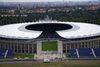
70,39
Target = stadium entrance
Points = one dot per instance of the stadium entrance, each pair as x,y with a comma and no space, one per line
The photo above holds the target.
49,49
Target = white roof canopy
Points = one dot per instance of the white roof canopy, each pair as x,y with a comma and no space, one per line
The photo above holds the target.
78,30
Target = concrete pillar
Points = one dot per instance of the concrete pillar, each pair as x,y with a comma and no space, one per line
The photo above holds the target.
60,50
39,47
32,48
21,48
28,48
17,47
10,46
24,49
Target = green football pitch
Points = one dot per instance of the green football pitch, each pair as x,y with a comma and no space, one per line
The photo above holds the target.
49,46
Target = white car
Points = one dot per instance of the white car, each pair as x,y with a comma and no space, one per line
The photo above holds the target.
46,60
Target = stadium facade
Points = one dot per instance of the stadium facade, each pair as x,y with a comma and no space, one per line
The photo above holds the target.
28,37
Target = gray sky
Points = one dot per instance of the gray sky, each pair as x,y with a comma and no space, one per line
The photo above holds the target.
41,0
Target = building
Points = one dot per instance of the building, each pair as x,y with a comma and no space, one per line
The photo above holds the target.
28,37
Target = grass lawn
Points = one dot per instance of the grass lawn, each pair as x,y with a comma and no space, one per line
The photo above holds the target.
24,55
49,46
53,64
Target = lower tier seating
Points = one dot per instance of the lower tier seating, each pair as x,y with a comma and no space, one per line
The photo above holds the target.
84,53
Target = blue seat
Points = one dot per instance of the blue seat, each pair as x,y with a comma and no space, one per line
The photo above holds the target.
10,53
72,53
85,53
97,52
2,53
6,53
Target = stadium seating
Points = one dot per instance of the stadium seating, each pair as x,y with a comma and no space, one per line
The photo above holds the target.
6,53
97,52
10,53
2,53
73,53
85,53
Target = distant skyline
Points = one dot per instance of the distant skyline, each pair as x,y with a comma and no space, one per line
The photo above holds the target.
43,0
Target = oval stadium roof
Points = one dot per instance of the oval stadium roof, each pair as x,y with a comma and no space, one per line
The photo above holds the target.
78,30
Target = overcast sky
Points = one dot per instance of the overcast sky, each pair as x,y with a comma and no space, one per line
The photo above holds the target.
41,0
